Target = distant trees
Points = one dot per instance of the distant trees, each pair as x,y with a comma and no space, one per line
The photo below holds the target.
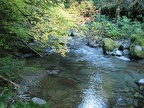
129,8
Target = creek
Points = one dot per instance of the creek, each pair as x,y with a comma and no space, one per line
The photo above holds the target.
85,78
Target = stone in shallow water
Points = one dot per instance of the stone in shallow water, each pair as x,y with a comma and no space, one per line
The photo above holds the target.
126,89
53,72
135,102
126,52
141,81
123,58
38,101
138,95
117,52
121,101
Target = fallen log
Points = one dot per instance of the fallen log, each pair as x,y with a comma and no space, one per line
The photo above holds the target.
16,85
7,80
21,95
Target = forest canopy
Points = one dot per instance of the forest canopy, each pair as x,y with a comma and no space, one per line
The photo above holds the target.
48,21
44,21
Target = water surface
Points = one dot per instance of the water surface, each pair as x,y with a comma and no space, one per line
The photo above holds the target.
87,79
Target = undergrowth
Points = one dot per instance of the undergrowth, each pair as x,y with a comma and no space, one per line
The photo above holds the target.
124,28
14,70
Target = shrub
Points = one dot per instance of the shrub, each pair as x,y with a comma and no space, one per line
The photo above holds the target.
124,28
7,97
11,68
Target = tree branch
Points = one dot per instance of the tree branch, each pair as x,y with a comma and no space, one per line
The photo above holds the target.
31,48
7,80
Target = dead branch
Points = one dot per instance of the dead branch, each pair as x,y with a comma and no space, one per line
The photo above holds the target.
7,80
16,85
31,48
19,95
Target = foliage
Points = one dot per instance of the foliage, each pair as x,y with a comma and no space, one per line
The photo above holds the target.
114,31
47,22
21,104
14,69
7,96
11,26
123,28
11,68
105,28
130,27
51,27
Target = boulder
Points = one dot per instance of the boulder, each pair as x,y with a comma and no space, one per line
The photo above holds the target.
141,81
94,41
124,46
137,47
109,45
138,95
137,51
126,52
117,52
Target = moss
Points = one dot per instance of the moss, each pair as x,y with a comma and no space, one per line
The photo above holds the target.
137,40
109,44
140,54
136,54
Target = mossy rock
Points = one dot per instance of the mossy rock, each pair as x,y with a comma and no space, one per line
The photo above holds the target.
137,41
109,45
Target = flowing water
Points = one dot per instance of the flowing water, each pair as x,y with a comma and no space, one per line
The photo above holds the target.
87,79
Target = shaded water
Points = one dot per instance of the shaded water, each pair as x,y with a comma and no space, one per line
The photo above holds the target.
87,79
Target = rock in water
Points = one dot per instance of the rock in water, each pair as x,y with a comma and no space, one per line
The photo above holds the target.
121,101
141,81
109,45
123,58
38,101
126,52
117,52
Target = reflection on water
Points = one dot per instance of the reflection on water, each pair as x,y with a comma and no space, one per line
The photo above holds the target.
92,100
93,95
